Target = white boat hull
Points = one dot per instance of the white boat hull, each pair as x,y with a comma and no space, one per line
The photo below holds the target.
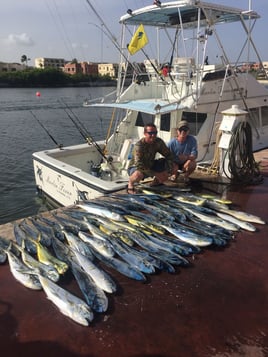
65,184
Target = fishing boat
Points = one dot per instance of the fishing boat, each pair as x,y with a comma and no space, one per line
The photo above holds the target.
190,88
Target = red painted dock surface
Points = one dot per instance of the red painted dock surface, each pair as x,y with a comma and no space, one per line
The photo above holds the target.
217,307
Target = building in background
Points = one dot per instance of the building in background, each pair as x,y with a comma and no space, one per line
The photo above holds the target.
72,68
108,69
44,62
88,68
11,67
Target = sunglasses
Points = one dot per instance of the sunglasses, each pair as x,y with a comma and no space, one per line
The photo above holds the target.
151,132
184,128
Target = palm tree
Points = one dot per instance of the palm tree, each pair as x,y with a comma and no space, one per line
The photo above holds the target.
25,59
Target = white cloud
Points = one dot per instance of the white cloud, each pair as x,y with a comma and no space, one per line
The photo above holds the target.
19,40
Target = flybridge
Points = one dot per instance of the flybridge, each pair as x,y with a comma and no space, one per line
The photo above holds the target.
189,13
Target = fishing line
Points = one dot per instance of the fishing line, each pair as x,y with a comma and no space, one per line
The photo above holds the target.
60,146
61,31
110,35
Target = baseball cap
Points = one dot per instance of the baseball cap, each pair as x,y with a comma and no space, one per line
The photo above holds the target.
183,123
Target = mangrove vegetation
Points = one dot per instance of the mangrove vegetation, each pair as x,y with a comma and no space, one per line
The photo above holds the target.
51,77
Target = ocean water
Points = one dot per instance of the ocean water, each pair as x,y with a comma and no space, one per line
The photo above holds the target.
21,134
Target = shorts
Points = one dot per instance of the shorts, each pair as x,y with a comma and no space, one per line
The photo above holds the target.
159,165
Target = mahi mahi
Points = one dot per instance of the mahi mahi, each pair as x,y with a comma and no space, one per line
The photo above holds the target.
21,272
46,270
45,257
189,237
94,296
100,277
212,219
69,304
242,224
101,211
102,245
124,251
244,216
77,244
122,267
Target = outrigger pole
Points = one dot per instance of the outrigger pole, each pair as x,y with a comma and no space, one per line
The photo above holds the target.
109,34
112,38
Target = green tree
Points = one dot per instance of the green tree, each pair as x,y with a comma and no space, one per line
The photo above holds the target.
25,59
49,77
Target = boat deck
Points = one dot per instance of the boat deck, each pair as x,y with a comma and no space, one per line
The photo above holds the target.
217,307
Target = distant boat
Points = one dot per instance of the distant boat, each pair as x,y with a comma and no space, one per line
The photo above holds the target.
191,88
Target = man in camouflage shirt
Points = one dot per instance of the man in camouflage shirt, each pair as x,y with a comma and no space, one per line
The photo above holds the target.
143,163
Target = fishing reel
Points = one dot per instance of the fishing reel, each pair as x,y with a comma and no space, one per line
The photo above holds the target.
110,159
94,169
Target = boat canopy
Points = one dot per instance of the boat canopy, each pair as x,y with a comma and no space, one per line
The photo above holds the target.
186,13
146,106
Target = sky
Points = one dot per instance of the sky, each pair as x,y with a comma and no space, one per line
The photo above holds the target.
70,29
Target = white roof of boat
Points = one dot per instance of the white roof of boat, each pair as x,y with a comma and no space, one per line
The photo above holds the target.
147,106
169,14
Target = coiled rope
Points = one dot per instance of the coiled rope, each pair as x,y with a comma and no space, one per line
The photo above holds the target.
242,165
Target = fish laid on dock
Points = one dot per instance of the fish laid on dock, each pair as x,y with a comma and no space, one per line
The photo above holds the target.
48,271
46,257
69,304
135,236
25,275
100,277
101,211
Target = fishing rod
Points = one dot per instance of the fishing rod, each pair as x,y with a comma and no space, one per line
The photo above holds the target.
60,146
79,128
173,50
85,134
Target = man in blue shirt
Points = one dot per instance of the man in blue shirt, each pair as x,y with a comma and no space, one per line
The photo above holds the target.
184,150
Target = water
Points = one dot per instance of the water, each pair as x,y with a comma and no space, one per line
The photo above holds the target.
21,135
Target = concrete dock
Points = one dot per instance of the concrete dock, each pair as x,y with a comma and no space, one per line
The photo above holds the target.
218,307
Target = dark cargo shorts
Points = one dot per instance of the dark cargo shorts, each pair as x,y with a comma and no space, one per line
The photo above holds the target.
159,165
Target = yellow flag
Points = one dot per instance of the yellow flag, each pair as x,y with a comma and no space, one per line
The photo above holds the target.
138,41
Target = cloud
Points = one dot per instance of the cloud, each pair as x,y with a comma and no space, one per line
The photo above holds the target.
19,40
